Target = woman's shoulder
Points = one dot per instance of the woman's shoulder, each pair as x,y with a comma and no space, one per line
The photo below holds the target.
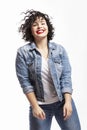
57,46
25,48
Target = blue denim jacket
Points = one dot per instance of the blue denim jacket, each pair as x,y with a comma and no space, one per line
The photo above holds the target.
28,69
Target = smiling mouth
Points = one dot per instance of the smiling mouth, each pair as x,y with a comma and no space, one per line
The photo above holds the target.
40,31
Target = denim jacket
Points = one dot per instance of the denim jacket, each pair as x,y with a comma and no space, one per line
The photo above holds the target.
28,69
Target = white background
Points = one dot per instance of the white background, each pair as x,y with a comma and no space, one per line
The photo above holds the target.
69,18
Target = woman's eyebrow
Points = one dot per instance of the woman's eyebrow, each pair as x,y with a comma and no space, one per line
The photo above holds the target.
42,20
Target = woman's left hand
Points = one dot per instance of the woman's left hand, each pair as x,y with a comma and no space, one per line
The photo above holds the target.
67,110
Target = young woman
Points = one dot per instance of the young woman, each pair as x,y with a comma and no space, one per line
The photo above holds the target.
44,73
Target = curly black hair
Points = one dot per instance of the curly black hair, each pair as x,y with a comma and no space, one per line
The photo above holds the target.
30,17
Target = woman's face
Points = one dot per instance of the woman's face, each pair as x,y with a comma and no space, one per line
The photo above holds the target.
39,28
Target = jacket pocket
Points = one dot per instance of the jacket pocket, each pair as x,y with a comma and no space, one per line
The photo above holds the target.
58,65
30,62
31,67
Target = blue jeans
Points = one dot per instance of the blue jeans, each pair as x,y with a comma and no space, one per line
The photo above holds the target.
55,109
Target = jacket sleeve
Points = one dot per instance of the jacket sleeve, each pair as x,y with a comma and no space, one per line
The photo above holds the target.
22,73
65,80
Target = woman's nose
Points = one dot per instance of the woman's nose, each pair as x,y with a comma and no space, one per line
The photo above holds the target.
39,25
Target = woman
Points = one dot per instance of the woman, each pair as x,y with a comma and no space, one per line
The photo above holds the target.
44,73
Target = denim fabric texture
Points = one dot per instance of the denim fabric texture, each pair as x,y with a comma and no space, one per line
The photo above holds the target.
56,110
28,69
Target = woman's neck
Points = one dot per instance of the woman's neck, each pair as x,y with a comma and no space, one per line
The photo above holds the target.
42,47
42,44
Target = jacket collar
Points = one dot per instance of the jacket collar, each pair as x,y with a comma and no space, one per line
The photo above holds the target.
32,46
51,45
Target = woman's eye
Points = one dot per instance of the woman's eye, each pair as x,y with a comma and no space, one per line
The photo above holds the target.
34,25
43,23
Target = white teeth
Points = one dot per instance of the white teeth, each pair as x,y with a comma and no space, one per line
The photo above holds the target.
40,31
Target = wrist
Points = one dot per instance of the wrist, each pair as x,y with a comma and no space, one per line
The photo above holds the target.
67,97
35,106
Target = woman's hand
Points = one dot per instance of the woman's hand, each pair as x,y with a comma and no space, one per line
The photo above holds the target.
67,110
39,113
37,110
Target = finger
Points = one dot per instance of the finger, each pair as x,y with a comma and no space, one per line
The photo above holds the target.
42,115
68,114
64,112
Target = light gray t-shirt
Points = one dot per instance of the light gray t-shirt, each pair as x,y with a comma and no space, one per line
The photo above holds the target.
50,94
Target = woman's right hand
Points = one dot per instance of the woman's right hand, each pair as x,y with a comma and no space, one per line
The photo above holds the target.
37,110
39,113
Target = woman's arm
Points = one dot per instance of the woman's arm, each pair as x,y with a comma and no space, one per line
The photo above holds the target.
23,77
65,80
37,110
66,85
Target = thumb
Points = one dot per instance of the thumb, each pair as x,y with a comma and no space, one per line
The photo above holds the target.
44,115
64,112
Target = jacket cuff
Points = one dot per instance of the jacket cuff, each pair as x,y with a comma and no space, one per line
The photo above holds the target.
27,89
67,90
